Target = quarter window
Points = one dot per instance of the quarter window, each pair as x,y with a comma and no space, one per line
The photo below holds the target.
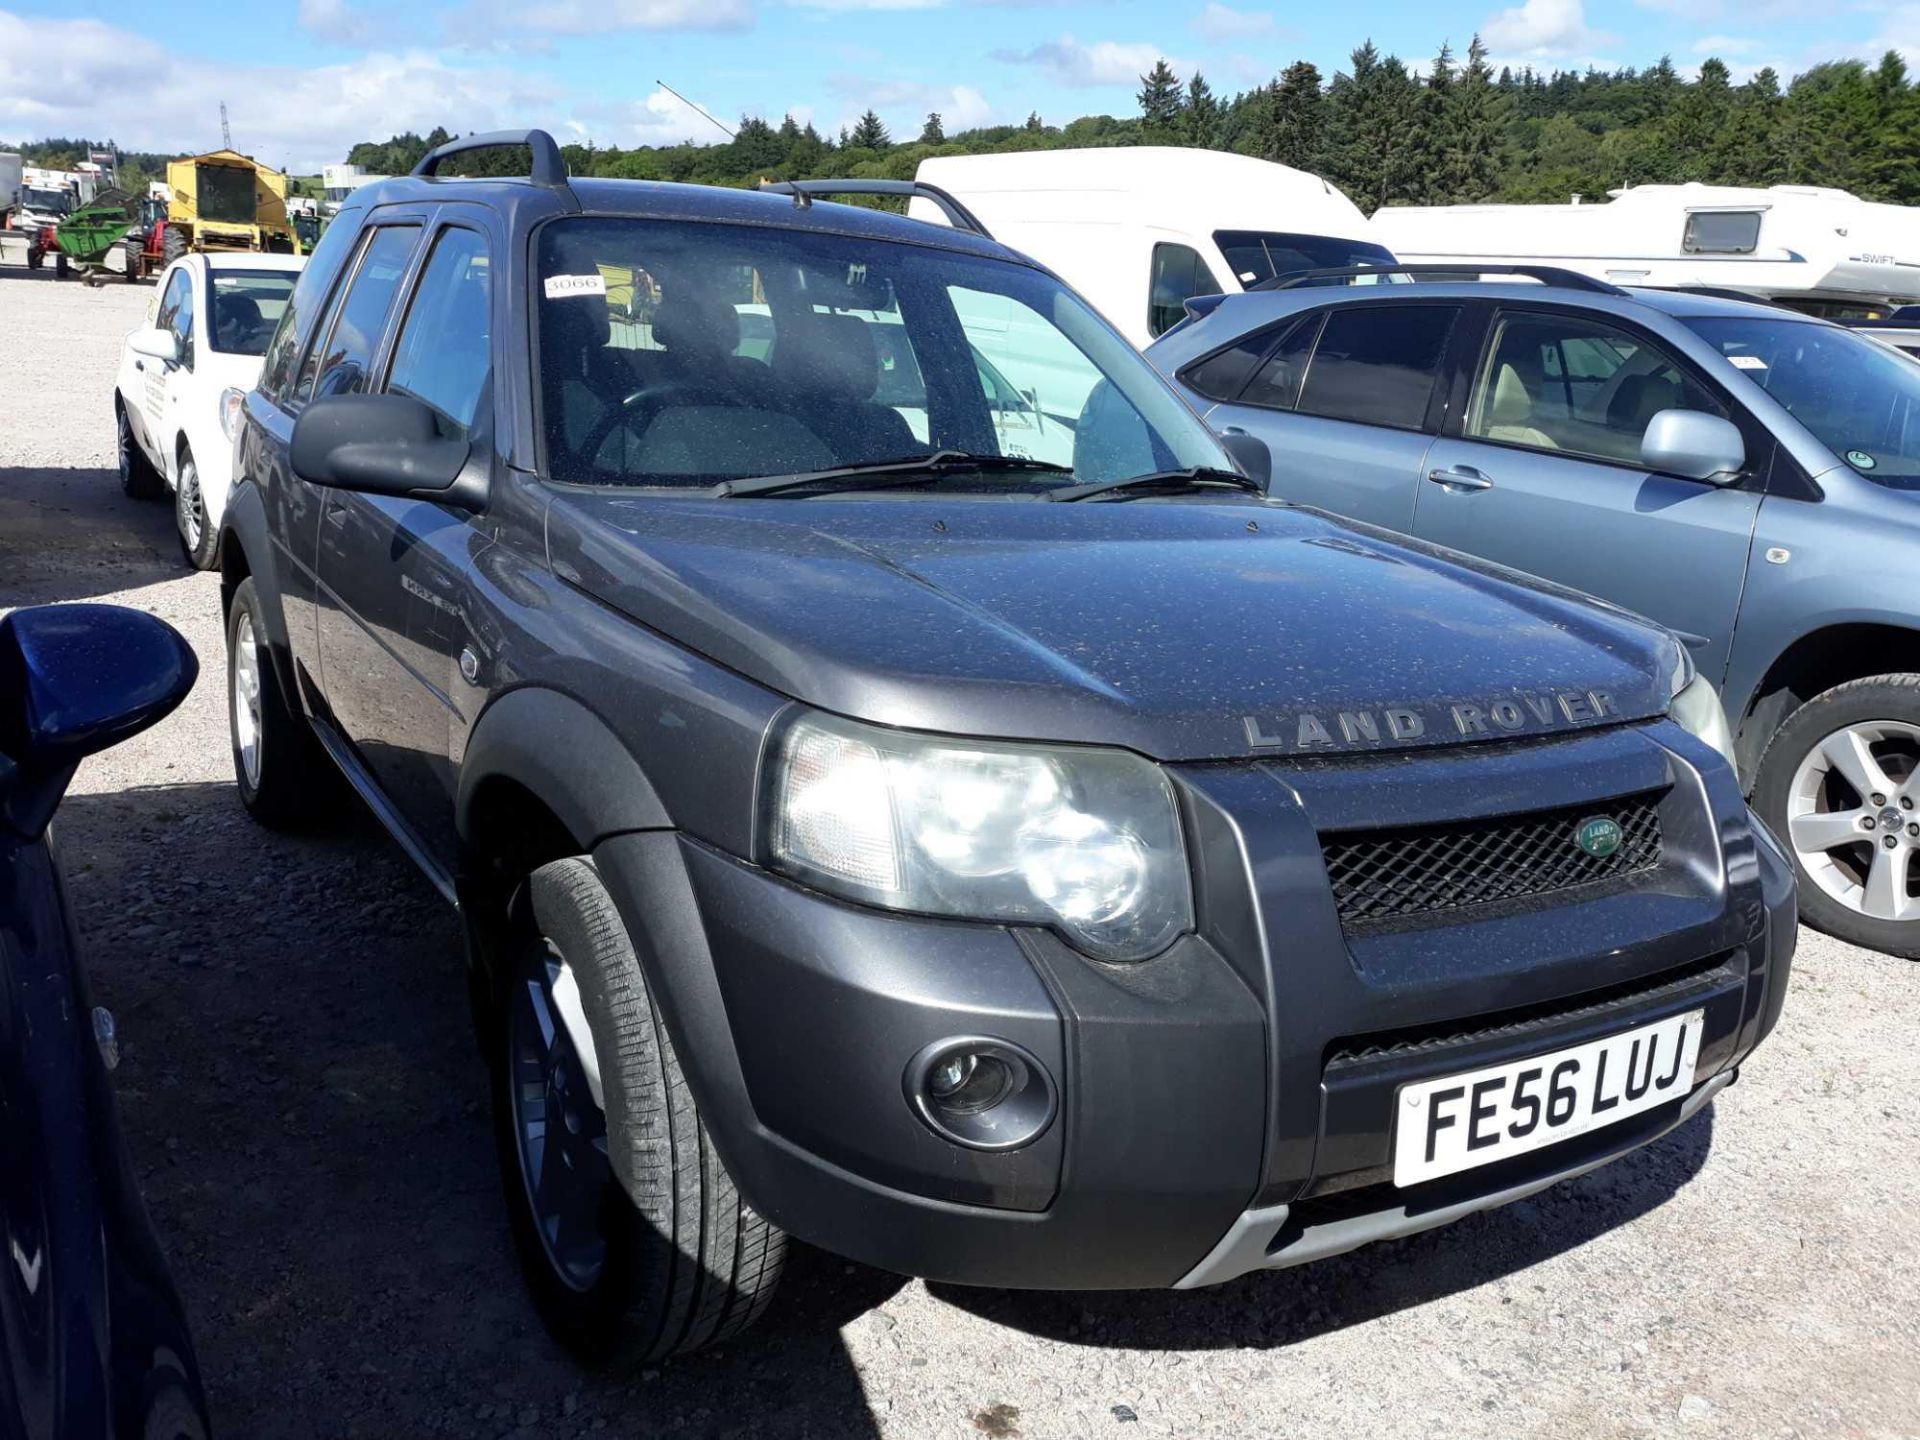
182,323
1554,382
1178,274
1377,364
1277,385
338,363
444,354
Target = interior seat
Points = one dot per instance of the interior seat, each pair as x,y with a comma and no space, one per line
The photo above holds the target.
830,365
1510,412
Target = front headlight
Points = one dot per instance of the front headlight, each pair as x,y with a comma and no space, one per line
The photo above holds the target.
231,403
1086,841
1696,706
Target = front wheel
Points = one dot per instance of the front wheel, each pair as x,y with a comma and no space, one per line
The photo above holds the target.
632,1237
1840,785
139,480
285,779
199,541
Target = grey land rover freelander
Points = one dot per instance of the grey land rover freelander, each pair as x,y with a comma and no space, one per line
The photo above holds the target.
905,788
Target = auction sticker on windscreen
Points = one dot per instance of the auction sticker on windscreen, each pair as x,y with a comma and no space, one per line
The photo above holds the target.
1482,1116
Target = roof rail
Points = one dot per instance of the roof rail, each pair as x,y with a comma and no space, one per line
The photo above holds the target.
958,215
1545,274
549,167
1720,292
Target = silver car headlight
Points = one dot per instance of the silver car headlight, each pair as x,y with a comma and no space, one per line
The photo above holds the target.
1696,706
231,403
1085,841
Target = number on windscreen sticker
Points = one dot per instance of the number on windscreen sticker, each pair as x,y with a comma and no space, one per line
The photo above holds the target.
560,286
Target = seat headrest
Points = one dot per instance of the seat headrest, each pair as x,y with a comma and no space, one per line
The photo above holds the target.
834,353
693,327
1512,403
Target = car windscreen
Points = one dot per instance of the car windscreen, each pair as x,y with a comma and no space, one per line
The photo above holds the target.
225,193
1257,255
681,354
1858,399
247,304
55,202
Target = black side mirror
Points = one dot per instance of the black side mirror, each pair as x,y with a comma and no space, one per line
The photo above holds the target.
75,679
381,445
1250,453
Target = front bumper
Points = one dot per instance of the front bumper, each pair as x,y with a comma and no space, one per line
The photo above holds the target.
1229,1105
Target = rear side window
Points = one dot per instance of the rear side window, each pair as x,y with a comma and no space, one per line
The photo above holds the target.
309,295
1222,375
1277,385
1178,274
1377,364
337,364
444,355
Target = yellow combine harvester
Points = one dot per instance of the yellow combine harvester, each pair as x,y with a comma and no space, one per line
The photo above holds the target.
226,201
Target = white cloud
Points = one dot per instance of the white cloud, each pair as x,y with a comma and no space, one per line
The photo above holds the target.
659,118
1725,45
904,104
338,21
843,5
1104,62
85,77
1542,28
1223,22
599,17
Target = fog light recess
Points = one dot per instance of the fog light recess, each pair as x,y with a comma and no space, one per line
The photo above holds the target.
982,1093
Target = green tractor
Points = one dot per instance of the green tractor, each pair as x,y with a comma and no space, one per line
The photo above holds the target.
87,236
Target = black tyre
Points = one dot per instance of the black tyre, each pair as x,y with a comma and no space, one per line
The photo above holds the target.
131,249
60,267
286,780
138,479
199,541
34,256
632,1237
1840,786
173,244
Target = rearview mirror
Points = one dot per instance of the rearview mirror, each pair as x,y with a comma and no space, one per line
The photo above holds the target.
1695,446
1250,453
379,445
155,345
75,679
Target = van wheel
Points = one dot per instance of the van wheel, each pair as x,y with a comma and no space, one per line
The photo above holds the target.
630,1232
286,780
199,541
138,479
1840,785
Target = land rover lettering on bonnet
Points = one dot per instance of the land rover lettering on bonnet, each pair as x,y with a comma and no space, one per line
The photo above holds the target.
813,649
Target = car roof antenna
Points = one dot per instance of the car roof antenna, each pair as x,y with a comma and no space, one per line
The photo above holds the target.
801,201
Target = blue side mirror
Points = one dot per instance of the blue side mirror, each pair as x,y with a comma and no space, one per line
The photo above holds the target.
75,679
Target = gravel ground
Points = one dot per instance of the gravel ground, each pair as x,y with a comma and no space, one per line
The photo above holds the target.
307,1112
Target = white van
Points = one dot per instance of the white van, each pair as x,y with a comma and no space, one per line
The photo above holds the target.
1139,229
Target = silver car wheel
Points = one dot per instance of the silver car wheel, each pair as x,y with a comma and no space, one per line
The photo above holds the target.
245,689
190,509
1853,817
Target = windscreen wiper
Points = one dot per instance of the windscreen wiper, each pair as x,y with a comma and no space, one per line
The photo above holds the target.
1161,481
905,470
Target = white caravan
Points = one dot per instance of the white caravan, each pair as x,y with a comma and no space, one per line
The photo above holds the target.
1822,251
1139,229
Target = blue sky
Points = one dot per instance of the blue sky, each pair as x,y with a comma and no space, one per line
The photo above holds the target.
304,78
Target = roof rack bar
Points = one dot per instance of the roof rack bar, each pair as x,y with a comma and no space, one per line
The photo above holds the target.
549,167
1545,274
958,215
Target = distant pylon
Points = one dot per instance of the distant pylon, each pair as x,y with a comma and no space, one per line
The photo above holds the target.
226,132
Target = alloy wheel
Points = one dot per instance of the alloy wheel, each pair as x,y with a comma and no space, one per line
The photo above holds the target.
245,689
190,506
1853,818
560,1131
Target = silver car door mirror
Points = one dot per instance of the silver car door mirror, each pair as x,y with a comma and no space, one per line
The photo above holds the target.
1695,446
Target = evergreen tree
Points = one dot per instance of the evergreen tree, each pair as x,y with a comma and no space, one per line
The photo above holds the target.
1472,164
1160,105
1697,123
1033,121
933,133
869,133
1200,115
1296,118
1431,141
1373,129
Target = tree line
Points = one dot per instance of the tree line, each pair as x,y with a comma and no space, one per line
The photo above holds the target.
1450,131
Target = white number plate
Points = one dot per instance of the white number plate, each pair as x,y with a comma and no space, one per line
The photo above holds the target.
1442,1127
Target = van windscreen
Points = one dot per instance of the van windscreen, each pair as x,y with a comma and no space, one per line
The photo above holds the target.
1257,255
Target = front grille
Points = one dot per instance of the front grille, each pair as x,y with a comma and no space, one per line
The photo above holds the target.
1382,877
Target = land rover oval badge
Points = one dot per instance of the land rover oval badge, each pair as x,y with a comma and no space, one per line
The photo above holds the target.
1598,835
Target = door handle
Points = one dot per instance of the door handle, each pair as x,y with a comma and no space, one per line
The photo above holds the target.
1460,477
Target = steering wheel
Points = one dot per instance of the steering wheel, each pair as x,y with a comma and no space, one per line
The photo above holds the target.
649,401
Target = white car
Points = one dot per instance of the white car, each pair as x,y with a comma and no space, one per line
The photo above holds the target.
183,377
